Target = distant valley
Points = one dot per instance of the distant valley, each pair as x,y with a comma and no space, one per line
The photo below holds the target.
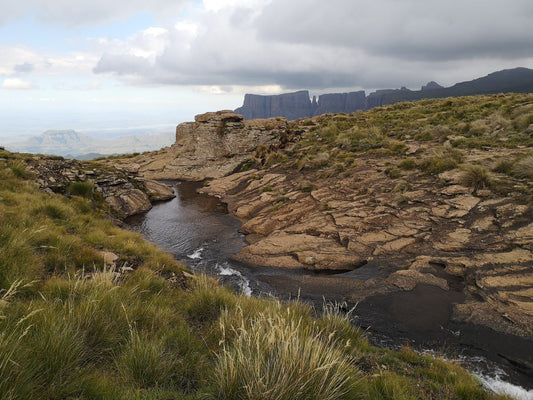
72,144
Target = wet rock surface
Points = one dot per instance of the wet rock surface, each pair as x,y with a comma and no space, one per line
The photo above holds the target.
440,235
432,230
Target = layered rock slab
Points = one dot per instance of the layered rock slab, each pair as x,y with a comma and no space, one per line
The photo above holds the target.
123,190
445,237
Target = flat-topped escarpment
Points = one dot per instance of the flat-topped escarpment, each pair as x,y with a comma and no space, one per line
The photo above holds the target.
299,105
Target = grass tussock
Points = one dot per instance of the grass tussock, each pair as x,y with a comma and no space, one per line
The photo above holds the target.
523,168
83,189
442,159
277,357
476,177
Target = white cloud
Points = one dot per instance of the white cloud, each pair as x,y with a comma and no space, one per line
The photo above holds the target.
16,83
45,64
228,46
217,5
268,89
87,12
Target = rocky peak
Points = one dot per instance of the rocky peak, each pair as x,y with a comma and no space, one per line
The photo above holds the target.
431,85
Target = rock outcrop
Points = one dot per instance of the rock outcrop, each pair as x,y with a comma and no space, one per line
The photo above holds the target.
372,220
445,236
124,191
211,147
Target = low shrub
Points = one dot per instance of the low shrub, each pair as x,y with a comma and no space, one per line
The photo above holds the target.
443,159
306,186
504,167
478,128
393,172
523,168
397,147
18,167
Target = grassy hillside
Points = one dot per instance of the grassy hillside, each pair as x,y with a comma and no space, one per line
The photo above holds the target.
430,136
79,323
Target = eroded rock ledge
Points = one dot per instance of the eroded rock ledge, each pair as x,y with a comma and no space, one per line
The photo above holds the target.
433,234
124,190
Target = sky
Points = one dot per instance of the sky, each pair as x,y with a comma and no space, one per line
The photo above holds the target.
104,66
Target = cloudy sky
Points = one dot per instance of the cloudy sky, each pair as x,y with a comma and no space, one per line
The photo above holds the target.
107,65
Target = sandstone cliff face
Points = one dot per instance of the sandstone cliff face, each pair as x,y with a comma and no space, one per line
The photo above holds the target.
298,105
211,147
289,105
341,102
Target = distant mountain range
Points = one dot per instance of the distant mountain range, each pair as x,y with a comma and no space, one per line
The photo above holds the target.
72,144
299,104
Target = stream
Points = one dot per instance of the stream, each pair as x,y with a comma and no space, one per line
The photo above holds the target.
200,233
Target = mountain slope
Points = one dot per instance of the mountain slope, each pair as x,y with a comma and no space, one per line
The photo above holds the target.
517,80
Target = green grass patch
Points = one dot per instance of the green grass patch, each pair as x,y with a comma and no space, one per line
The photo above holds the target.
83,189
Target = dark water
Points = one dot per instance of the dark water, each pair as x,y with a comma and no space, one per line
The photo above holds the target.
200,232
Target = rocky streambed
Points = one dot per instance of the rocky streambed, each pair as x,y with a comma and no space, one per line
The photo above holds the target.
199,231
429,232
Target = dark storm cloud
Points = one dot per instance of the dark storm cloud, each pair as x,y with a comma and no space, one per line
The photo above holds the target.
340,44
420,29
